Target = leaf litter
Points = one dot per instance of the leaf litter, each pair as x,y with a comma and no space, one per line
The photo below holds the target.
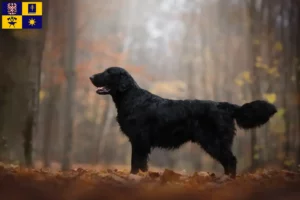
80,184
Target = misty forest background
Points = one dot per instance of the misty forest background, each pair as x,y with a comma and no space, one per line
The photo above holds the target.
223,50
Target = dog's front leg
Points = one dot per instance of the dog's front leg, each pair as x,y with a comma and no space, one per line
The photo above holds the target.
139,158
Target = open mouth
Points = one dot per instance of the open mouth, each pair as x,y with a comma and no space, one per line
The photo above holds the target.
102,90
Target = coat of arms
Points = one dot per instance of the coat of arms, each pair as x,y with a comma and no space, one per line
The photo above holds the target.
12,8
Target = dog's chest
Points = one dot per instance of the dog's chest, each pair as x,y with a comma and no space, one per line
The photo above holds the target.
130,121
126,121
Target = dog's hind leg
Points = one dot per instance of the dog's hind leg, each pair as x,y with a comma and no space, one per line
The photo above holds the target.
228,161
225,156
220,150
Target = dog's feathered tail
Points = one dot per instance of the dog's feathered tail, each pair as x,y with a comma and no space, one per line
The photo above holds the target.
250,115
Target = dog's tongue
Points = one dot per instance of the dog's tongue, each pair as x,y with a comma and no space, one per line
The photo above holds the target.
100,88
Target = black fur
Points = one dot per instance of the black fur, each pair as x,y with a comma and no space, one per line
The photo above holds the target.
151,121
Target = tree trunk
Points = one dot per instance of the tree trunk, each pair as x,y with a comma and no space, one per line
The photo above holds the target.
70,89
98,127
297,43
269,28
287,67
20,55
254,40
32,118
107,121
48,123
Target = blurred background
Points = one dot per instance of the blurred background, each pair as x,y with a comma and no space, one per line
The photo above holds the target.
222,50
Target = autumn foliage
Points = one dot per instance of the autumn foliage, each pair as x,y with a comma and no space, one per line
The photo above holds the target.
80,184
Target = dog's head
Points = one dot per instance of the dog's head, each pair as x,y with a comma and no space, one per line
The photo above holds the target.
112,81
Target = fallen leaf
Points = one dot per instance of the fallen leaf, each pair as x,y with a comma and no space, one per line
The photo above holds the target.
153,175
118,179
224,178
169,176
135,178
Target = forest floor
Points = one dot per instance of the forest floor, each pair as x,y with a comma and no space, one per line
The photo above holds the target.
80,184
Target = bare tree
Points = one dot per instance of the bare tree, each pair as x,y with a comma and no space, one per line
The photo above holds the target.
21,55
70,88
254,39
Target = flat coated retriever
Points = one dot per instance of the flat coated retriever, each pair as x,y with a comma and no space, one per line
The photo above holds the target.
151,121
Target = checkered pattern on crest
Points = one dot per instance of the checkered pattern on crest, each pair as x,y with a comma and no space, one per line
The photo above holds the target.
12,8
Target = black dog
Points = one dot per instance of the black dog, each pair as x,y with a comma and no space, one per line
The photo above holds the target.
151,121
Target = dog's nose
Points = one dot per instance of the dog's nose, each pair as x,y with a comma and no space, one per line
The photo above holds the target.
92,77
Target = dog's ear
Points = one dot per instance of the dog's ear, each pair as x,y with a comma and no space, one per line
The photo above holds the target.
124,83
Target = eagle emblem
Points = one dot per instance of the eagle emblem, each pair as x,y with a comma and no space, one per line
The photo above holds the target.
12,8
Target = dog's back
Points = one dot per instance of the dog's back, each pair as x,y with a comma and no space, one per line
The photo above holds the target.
170,123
